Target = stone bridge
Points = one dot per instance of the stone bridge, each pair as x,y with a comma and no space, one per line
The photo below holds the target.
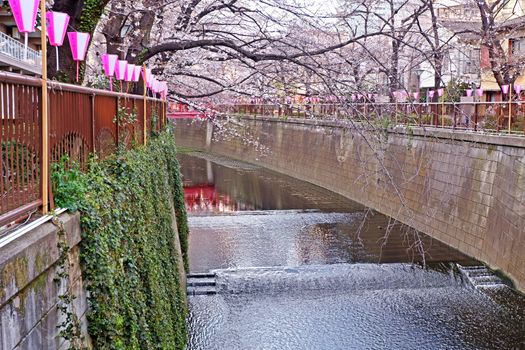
467,190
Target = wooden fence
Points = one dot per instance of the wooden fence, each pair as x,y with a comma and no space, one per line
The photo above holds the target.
80,121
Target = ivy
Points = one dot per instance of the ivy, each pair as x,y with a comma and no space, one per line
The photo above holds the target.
128,250
91,13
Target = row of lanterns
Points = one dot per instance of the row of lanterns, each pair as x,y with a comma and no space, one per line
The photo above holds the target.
25,13
124,71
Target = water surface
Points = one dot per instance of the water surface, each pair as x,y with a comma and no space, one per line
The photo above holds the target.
299,267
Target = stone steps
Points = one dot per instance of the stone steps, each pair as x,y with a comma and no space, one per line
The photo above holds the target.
201,284
481,277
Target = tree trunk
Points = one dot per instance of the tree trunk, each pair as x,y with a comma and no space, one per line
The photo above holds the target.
85,15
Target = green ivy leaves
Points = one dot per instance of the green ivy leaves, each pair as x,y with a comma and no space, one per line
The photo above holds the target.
128,251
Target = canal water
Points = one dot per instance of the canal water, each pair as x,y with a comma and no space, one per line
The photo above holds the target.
295,266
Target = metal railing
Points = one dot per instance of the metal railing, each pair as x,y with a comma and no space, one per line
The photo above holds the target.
81,121
476,116
15,50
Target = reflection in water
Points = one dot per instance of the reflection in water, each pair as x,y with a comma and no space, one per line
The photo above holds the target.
293,264
250,188
337,233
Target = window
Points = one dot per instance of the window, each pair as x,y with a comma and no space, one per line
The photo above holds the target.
517,46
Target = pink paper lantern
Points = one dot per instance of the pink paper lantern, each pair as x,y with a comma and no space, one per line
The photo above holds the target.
136,73
24,12
430,94
440,92
505,89
130,71
79,43
147,76
121,69
165,90
517,89
469,92
109,62
416,95
479,92
150,79
153,87
57,23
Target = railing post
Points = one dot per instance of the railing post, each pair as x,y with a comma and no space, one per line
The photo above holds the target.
443,111
93,134
145,104
476,111
510,107
44,114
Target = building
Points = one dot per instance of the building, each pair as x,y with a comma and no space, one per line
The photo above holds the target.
511,34
12,46
462,53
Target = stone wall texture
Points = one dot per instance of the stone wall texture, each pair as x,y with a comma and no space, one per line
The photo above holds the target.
465,190
29,317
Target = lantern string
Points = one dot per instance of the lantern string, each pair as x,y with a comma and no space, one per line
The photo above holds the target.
25,47
56,49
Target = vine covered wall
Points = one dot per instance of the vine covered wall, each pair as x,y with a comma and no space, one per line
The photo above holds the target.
129,249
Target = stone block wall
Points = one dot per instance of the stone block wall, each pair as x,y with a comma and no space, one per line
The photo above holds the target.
29,317
463,189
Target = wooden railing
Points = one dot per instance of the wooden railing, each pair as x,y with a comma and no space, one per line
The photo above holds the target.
81,121
475,116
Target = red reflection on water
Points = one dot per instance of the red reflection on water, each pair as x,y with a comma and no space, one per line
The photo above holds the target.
205,198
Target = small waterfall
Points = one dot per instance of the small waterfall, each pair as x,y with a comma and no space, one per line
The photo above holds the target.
338,277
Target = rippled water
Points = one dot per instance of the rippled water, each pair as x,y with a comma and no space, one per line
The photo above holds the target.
296,268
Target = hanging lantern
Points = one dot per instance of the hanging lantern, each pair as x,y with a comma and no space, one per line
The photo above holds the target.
79,43
430,94
469,92
109,62
517,88
479,92
57,23
25,12
165,90
136,73
505,89
440,92
155,86
150,79
130,71
416,95
120,70
147,76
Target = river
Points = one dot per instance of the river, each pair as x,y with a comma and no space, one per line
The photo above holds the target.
277,263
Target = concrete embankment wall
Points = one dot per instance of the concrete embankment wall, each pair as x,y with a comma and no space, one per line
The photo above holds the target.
463,189
29,294
29,314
